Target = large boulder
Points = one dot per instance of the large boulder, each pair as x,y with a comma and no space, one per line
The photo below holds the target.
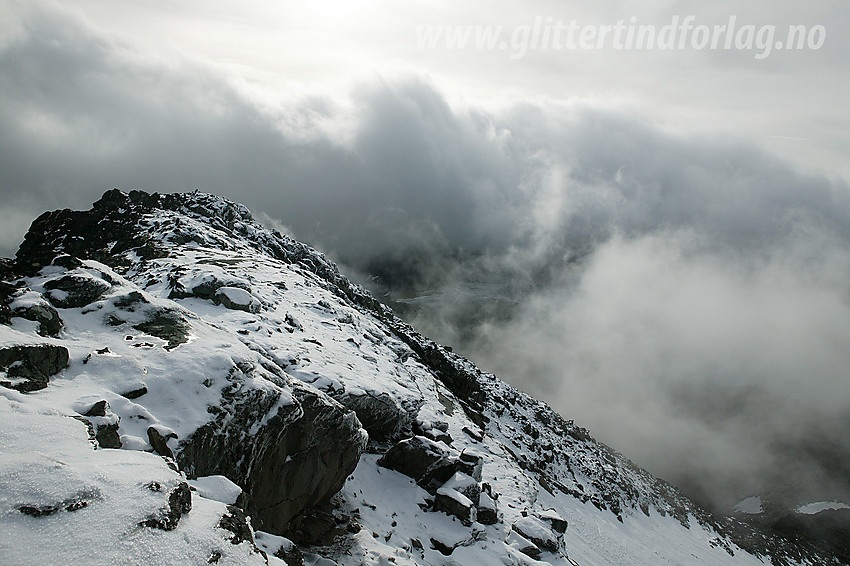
381,415
28,368
49,322
75,290
428,462
296,455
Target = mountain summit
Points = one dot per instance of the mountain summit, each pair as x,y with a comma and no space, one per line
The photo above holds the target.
181,385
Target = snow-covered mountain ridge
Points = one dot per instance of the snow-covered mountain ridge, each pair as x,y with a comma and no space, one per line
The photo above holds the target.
157,344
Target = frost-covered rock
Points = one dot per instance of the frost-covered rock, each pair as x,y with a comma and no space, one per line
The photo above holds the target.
29,368
428,462
236,299
287,454
537,532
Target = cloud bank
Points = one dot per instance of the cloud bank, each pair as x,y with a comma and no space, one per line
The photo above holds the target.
682,293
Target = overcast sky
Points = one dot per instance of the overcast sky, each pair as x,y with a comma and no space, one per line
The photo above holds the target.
704,191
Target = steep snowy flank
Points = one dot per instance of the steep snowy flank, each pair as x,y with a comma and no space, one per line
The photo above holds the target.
181,385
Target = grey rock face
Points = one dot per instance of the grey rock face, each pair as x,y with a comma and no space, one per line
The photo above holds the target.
297,459
422,459
29,368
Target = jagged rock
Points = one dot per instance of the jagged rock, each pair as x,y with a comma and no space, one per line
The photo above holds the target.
107,436
523,545
314,527
75,290
66,261
537,532
159,442
179,503
48,319
381,416
107,432
558,523
29,368
236,522
292,556
442,547
131,301
6,292
454,503
422,459
297,459
471,465
487,512
280,547
465,485
830,529
98,409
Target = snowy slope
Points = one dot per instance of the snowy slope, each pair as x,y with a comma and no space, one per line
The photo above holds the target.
223,324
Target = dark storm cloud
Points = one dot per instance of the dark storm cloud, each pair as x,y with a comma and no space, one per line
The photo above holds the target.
683,294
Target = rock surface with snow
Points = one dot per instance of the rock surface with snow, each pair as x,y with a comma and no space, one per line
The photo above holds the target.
181,385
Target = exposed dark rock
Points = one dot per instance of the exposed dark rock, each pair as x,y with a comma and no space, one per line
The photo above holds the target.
70,505
441,547
66,261
107,436
28,368
486,511
471,465
236,522
422,459
291,555
315,527
476,436
131,301
454,503
75,290
168,325
135,393
524,545
829,530
296,460
98,409
381,416
558,523
537,532
179,503
48,319
159,443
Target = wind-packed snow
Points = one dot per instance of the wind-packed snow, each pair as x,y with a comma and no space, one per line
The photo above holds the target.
217,488
100,496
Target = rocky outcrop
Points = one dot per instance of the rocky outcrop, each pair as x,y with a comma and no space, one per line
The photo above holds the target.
428,462
29,368
75,290
381,415
299,455
179,503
